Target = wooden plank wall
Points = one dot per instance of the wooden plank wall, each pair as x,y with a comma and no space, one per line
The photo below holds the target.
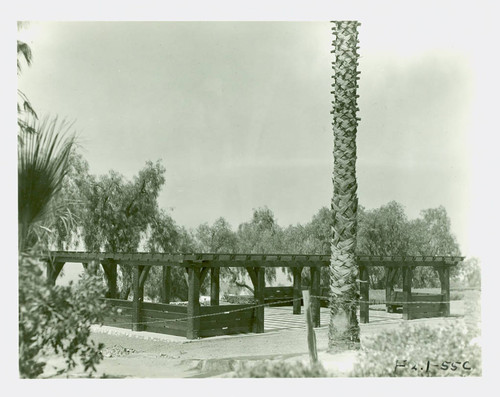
164,318
121,314
225,320
277,294
171,319
423,305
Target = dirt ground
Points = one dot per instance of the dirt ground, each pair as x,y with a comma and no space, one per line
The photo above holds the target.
130,354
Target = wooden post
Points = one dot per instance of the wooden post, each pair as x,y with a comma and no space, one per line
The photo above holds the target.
138,297
297,289
166,283
193,308
53,270
364,292
311,336
407,298
109,267
444,278
390,274
258,325
315,292
214,286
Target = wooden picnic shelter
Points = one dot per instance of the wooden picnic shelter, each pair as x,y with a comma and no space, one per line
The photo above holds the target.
195,320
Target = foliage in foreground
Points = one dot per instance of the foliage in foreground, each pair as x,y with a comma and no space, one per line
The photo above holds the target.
282,369
421,350
56,320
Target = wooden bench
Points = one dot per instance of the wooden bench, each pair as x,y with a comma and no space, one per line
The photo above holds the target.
423,305
277,294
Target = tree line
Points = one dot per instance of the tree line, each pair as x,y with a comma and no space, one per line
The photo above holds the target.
116,214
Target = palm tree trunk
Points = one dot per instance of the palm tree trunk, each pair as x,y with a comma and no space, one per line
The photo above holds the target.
344,327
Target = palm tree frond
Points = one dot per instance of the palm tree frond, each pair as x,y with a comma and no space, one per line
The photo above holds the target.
42,166
24,51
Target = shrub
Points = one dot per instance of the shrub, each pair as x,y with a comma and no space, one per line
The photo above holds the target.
281,369
421,350
56,319
468,273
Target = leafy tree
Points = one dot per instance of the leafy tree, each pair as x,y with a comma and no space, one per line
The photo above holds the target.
56,319
344,327
430,234
262,235
218,238
383,231
311,238
165,235
118,212
319,231
73,196
469,272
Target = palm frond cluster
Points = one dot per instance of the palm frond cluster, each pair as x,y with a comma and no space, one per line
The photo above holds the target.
42,166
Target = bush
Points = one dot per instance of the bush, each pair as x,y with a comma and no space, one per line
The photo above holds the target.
238,299
281,369
55,319
468,273
421,350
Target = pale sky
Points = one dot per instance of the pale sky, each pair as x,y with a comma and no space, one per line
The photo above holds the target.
239,112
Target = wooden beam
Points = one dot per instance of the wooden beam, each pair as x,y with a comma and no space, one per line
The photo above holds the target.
248,260
253,275
53,270
407,297
315,293
143,275
193,308
166,277
203,273
297,290
214,286
364,291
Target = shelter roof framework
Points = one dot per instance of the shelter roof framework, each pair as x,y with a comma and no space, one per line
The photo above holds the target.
199,265
244,260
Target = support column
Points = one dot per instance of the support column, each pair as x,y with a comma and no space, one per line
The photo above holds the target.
407,298
138,297
166,282
315,293
297,289
364,292
214,286
444,278
258,325
390,277
193,308
53,270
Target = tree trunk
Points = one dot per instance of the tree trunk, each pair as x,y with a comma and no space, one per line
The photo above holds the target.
344,326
